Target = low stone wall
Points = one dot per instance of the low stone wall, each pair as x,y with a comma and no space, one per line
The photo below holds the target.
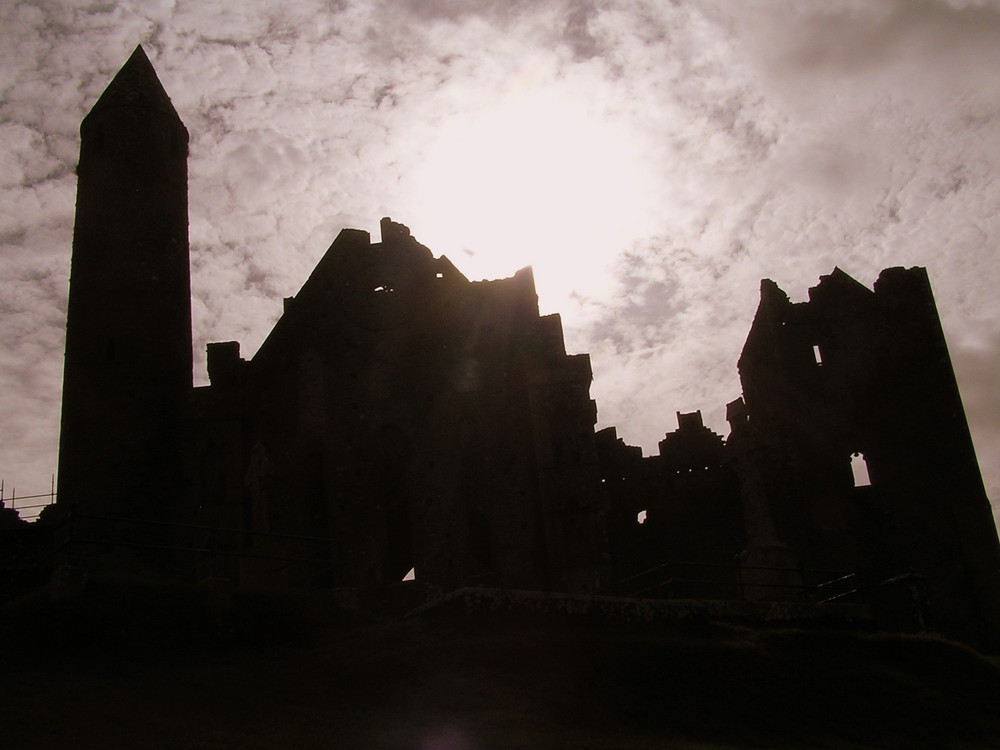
627,610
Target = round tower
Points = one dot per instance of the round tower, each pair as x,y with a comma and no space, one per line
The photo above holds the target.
128,331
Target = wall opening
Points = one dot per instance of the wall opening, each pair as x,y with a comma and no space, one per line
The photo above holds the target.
640,517
817,354
859,467
411,576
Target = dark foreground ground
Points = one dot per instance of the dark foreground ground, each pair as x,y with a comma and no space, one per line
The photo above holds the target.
128,667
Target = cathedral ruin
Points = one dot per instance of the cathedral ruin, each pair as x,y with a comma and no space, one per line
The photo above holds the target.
400,417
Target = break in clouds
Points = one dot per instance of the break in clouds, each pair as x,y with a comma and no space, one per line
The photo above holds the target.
652,161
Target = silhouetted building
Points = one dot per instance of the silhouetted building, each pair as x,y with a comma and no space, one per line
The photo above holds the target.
401,417
864,377
128,364
676,522
414,419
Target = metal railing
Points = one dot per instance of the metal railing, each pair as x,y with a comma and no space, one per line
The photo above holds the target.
12,500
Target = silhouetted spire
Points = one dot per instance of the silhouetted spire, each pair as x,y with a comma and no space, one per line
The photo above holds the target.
135,85
130,299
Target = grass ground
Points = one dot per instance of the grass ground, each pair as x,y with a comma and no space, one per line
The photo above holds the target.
139,667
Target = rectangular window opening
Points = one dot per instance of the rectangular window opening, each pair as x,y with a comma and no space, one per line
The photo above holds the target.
817,354
859,467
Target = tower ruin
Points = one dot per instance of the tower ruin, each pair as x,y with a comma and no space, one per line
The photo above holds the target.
128,365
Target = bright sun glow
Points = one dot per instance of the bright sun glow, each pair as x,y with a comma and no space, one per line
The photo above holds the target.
536,178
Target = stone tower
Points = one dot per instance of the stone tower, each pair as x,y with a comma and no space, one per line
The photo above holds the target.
858,375
128,333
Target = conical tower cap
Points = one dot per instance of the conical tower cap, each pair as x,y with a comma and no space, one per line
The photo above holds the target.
135,85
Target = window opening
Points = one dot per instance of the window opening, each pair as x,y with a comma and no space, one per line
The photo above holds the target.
817,354
859,467
411,576
641,517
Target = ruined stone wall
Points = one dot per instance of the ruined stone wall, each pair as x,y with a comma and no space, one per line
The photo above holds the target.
690,532
805,399
419,420
860,371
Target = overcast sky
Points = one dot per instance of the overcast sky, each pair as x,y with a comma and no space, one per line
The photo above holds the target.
652,160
